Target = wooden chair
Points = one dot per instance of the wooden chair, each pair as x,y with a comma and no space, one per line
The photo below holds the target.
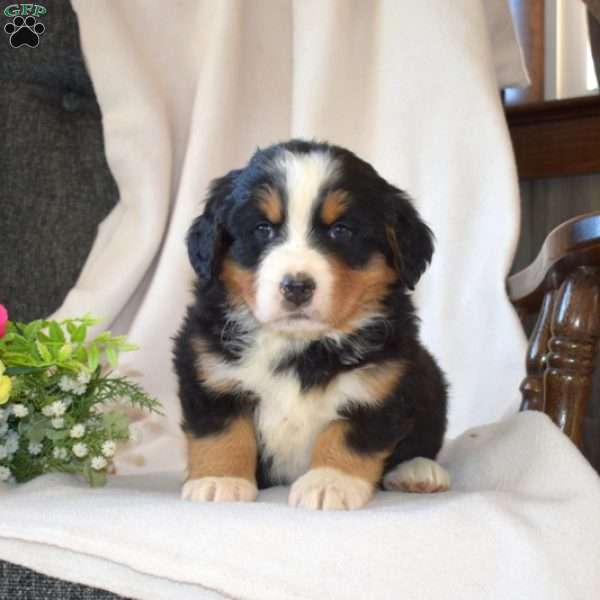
564,280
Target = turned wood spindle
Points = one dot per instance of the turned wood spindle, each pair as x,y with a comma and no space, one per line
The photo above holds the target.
532,387
575,329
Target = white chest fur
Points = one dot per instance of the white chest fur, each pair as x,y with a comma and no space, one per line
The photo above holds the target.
287,420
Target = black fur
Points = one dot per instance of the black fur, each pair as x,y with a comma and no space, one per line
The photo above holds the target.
412,419
206,239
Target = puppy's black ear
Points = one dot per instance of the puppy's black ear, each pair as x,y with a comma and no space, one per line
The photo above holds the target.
410,240
207,237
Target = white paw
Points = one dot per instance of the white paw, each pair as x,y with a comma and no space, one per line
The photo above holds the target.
417,475
329,489
219,489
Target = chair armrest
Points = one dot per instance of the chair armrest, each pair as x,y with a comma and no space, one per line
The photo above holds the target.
572,244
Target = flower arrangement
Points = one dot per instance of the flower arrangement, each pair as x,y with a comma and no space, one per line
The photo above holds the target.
57,399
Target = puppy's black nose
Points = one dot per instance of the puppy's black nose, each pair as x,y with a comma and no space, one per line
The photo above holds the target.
299,289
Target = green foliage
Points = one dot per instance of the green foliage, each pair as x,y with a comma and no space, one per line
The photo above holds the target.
42,344
62,411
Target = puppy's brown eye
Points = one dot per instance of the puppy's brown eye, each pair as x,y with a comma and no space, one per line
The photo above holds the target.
340,232
264,232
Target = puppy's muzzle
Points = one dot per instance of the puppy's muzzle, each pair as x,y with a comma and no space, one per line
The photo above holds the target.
297,290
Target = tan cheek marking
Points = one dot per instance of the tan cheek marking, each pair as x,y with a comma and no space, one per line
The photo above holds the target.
271,206
334,206
231,453
381,380
358,292
207,369
331,450
239,283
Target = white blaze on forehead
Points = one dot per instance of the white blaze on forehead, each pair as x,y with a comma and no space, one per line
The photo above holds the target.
304,175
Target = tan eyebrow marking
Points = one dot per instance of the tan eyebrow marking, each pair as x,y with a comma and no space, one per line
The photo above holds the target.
270,205
334,206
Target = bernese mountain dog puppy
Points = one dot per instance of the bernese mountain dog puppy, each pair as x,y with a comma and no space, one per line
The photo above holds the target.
299,361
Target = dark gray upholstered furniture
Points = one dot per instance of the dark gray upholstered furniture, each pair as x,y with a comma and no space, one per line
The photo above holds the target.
18,583
55,184
55,188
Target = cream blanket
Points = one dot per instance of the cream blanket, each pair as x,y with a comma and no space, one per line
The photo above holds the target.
521,522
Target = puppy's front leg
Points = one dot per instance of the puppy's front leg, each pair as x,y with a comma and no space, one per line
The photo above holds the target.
339,477
222,466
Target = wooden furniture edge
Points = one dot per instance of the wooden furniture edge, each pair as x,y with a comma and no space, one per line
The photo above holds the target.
556,138
574,243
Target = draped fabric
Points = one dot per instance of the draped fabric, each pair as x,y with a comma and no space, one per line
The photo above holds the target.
189,91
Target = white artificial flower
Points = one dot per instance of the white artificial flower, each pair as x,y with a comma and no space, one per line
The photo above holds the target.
80,450
48,410
77,431
83,377
20,410
79,389
34,448
109,448
57,408
3,451
59,453
12,442
96,408
4,474
57,422
3,428
98,463
65,383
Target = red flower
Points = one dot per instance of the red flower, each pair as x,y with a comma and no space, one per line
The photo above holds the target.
3,320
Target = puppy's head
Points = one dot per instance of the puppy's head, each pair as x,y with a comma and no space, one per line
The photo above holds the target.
308,237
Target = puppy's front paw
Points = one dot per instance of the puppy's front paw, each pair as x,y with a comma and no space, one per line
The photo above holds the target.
330,489
418,475
219,489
